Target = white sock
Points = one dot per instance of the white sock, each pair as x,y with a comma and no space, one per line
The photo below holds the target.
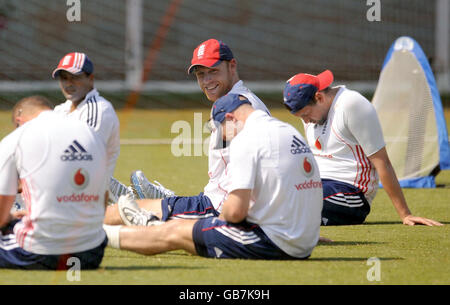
112,232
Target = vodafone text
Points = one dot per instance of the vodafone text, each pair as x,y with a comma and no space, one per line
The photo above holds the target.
311,184
78,198
324,156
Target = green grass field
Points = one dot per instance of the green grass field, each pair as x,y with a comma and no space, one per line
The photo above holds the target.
408,255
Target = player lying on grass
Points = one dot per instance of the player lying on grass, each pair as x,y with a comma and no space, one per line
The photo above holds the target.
216,71
344,133
274,203
65,199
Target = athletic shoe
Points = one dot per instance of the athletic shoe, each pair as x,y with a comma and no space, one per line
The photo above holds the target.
145,189
117,189
132,215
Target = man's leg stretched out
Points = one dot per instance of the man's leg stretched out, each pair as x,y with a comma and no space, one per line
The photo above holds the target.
208,237
172,235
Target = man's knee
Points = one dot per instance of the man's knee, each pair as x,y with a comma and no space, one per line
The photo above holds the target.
178,234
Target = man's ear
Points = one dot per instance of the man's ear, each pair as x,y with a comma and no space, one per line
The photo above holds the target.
319,96
229,116
19,121
233,63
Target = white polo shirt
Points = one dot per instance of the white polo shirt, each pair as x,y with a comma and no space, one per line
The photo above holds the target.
272,159
218,159
61,165
100,115
343,143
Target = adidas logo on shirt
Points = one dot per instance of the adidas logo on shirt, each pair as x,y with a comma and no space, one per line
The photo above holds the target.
298,147
76,152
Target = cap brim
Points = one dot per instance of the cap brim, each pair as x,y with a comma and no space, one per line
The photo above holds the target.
325,79
209,63
71,71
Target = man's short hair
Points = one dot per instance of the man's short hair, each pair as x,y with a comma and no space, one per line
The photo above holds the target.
31,103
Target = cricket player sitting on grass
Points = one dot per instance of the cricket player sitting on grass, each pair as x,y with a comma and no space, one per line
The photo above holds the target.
344,133
65,199
216,71
75,75
274,203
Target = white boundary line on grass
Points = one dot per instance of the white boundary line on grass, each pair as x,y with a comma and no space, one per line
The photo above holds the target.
163,141
146,141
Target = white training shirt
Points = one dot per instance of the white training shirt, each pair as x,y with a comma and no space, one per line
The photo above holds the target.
343,143
272,159
99,114
61,165
218,159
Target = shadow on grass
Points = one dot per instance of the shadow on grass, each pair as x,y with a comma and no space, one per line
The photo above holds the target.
349,243
443,186
395,223
350,259
369,223
135,268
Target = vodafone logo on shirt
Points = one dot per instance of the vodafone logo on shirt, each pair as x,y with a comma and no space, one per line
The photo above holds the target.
318,144
78,198
311,184
307,167
80,179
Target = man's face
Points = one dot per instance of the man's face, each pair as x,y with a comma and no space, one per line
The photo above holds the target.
231,127
316,113
75,87
217,81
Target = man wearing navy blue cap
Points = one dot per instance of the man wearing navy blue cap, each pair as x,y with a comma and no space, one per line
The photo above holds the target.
274,203
75,75
215,69
344,133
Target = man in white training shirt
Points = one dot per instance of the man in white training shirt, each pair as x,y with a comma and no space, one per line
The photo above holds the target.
345,136
274,203
76,81
64,192
216,71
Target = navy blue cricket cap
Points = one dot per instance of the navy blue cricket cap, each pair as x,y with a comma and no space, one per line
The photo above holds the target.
227,104
302,87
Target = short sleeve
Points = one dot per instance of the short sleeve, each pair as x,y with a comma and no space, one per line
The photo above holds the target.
363,123
8,170
243,164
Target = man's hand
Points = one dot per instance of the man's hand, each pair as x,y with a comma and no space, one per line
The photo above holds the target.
411,220
324,240
391,185
19,214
